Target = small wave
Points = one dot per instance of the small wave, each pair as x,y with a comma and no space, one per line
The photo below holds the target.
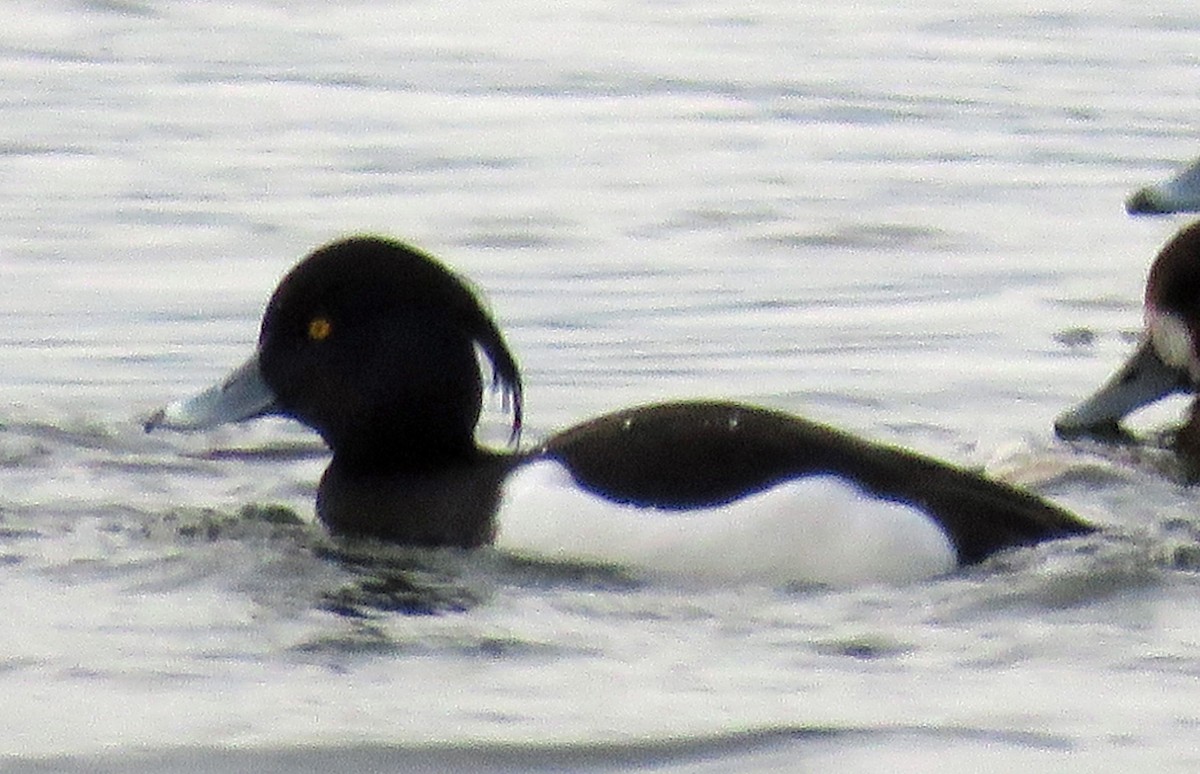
870,236
774,749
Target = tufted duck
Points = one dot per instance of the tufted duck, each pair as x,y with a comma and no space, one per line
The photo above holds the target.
372,343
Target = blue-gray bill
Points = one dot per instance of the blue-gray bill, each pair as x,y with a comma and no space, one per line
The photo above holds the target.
1179,194
1142,380
242,395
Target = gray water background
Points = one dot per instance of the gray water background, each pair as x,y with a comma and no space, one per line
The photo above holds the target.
902,219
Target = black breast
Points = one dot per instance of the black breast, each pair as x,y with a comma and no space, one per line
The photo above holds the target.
450,505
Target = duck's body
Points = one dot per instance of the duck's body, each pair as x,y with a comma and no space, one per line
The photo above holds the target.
700,454
372,344
655,483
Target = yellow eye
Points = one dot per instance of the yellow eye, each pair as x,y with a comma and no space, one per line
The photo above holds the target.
319,328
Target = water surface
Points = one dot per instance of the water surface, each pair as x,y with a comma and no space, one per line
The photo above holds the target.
901,219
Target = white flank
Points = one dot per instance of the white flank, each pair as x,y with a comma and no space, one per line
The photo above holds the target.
817,530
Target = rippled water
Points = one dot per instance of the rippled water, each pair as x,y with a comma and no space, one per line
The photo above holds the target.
904,219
